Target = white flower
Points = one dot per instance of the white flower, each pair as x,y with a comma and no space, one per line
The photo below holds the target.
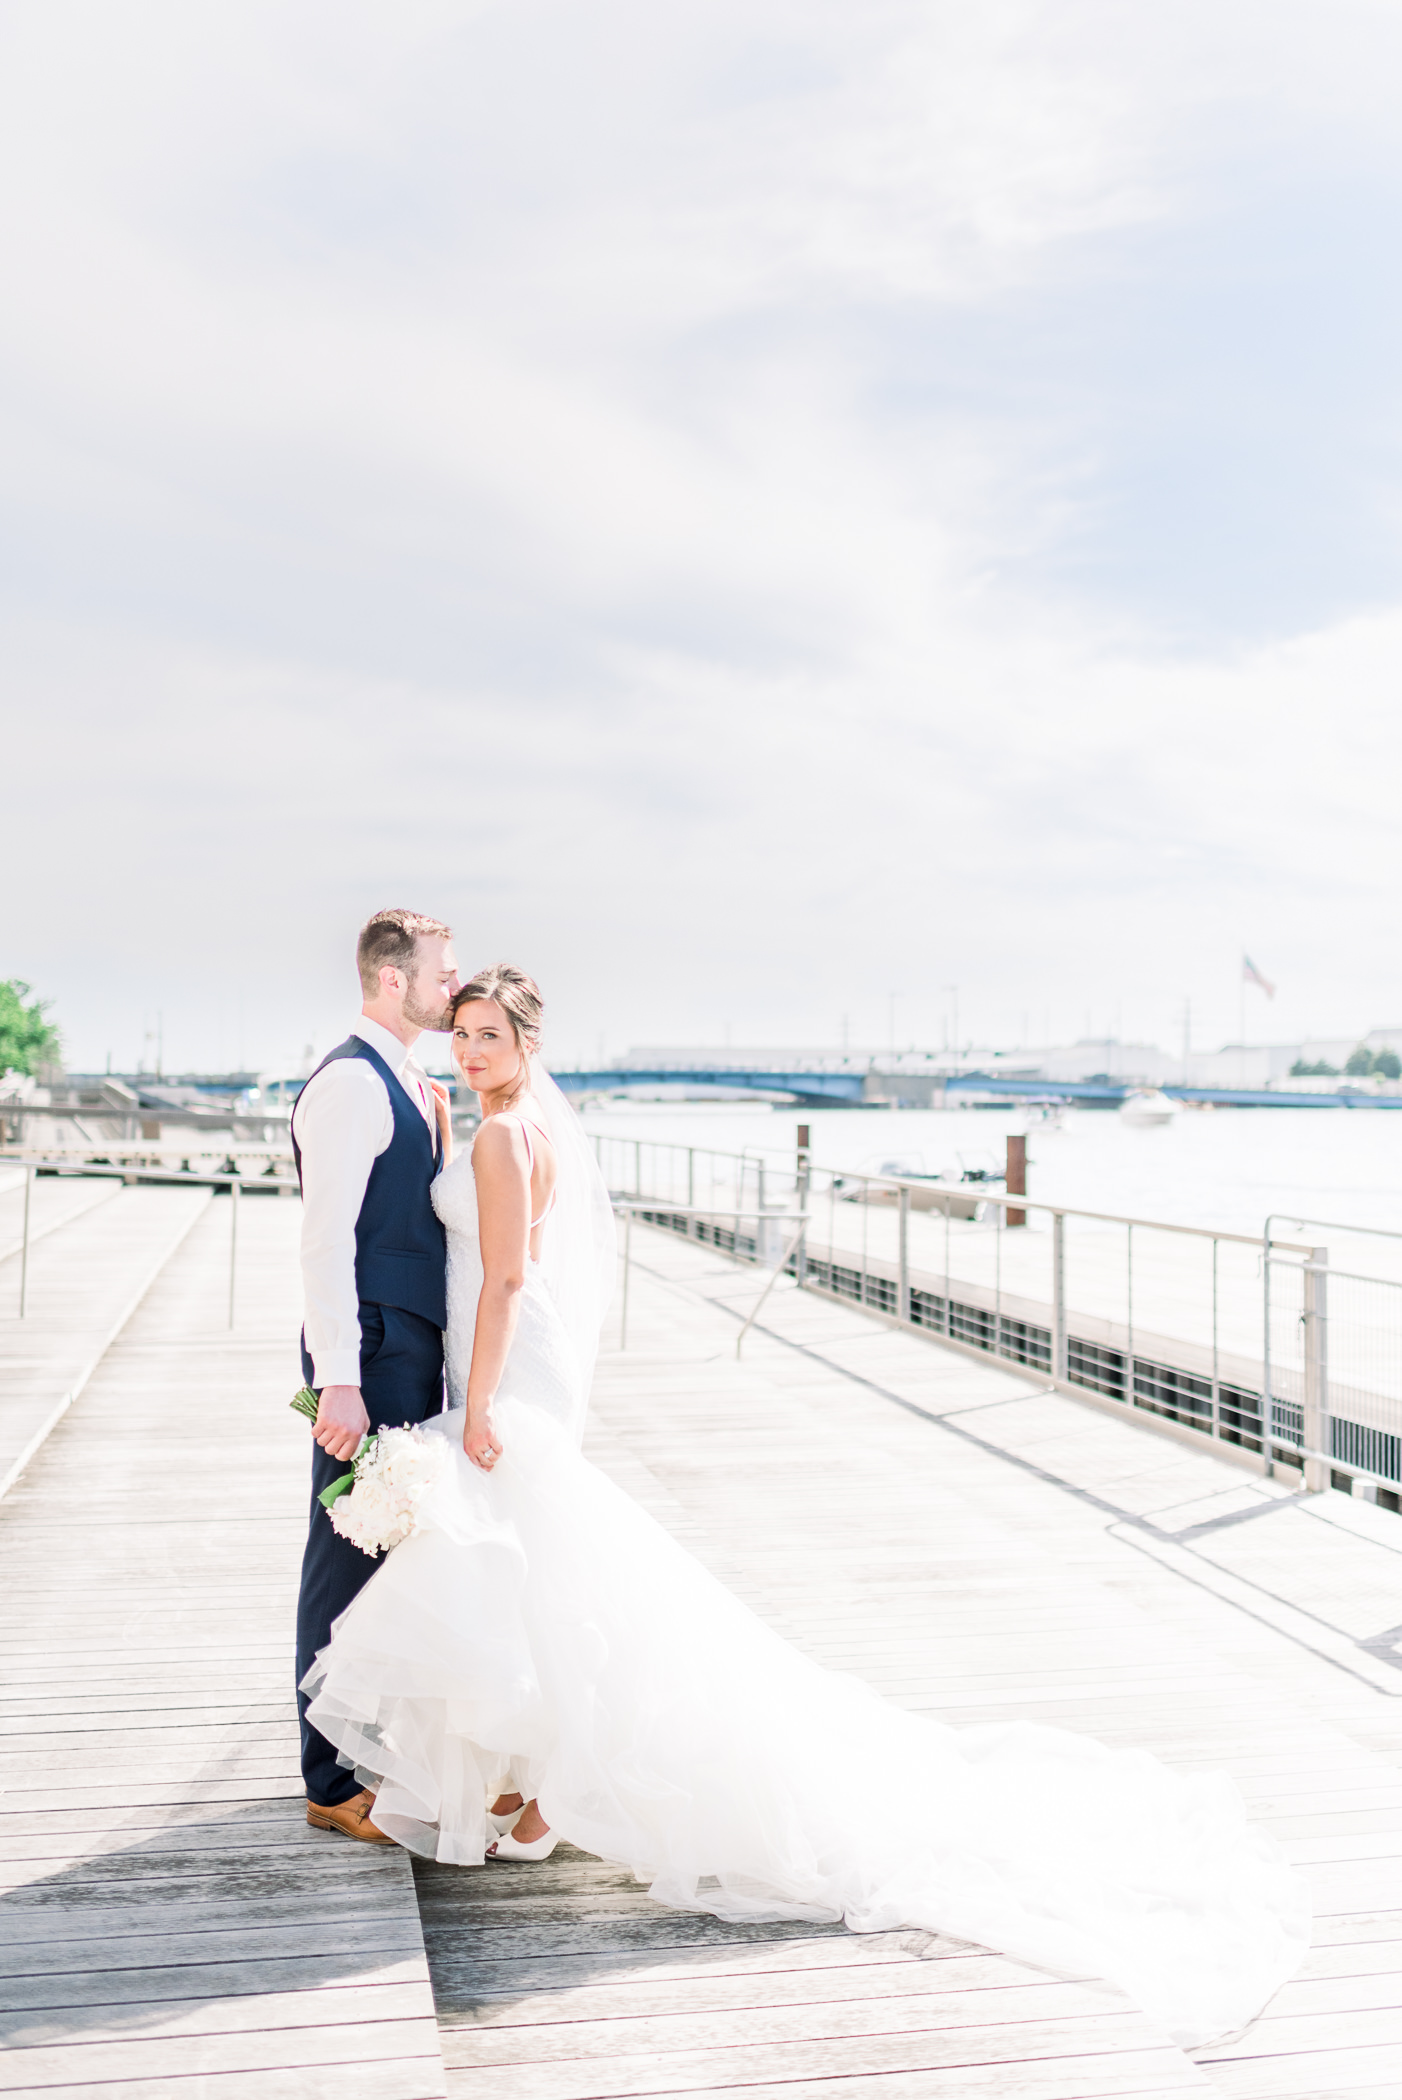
393,1473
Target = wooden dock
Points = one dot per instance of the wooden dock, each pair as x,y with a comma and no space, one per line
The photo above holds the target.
169,1925
979,1550
974,1546
95,1250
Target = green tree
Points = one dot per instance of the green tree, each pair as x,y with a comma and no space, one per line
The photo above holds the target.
1303,1069
1388,1063
27,1040
1360,1062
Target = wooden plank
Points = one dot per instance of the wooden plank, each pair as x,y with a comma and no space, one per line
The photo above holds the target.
476,1972
107,2023
407,2078
1036,2019
210,1981
300,1936
169,2056
1001,2065
103,1857
608,1938
69,1908
1085,2081
1324,2074
480,1998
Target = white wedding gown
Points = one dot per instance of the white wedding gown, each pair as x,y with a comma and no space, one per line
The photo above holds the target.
543,1632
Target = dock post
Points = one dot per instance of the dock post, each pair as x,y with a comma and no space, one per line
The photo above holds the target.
1015,1176
1059,1356
1315,1425
1000,1226
948,1327
903,1297
1129,1315
627,1264
233,1243
801,1191
1216,1381
24,1246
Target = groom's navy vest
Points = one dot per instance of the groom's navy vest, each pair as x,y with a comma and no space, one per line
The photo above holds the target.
400,1251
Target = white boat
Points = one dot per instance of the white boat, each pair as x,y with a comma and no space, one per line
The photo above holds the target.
1147,1106
945,1193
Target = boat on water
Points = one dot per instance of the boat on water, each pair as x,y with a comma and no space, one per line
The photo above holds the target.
951,1194
1147,1106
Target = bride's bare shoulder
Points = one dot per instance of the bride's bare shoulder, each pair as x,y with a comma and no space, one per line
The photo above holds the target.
498,1143
502,1146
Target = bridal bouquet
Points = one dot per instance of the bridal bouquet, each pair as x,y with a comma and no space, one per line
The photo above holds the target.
376,1504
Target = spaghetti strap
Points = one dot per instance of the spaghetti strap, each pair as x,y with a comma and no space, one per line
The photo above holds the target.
530,1148
517,1117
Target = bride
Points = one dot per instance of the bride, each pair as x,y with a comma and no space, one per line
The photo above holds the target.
543,1661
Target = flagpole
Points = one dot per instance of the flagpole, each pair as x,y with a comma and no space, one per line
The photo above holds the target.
1187,1039
1241,1029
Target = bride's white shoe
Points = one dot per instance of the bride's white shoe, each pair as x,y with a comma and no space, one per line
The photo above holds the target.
506,1847
501,1824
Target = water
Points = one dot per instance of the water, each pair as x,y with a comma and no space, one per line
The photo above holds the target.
1227,1168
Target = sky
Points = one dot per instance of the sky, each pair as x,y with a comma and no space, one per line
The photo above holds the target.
762,514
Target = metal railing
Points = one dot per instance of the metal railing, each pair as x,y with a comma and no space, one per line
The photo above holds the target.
1241,1340
234,1183
709,1227
1332,1349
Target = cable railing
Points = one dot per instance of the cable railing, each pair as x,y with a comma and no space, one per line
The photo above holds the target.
1261,1344
1246,1340
710,1225
133,1175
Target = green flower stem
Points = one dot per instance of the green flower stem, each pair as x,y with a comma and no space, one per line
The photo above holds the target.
304,1402
347,1481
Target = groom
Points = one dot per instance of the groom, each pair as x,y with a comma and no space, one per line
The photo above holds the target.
365,1139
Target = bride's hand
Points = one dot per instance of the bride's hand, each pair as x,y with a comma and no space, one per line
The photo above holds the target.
480,1442
443,1110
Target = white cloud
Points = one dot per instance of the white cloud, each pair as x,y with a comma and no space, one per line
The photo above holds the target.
603,472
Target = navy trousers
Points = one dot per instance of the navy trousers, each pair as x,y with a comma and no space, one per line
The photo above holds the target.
401,1380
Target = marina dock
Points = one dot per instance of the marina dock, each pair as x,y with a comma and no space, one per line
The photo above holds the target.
974,1544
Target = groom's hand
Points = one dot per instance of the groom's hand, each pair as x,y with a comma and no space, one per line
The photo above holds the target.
341,1420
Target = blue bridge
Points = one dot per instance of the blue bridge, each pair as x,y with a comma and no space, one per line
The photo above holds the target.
830,1089
848,1089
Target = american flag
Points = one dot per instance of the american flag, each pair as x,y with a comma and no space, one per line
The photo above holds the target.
1251,975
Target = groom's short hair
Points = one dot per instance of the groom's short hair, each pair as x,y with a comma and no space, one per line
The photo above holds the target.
389,940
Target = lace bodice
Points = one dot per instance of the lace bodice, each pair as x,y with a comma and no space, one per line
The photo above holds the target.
541,1368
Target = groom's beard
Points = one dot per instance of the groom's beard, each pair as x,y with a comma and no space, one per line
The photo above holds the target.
420,1016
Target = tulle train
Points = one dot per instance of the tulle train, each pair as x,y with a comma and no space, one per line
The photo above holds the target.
544,1632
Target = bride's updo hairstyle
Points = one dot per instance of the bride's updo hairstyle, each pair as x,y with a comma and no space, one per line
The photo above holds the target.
519,998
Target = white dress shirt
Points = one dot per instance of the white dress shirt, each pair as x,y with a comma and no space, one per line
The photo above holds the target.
343,1122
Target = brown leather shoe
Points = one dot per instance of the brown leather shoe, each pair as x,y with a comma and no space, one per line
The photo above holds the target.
351,1818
